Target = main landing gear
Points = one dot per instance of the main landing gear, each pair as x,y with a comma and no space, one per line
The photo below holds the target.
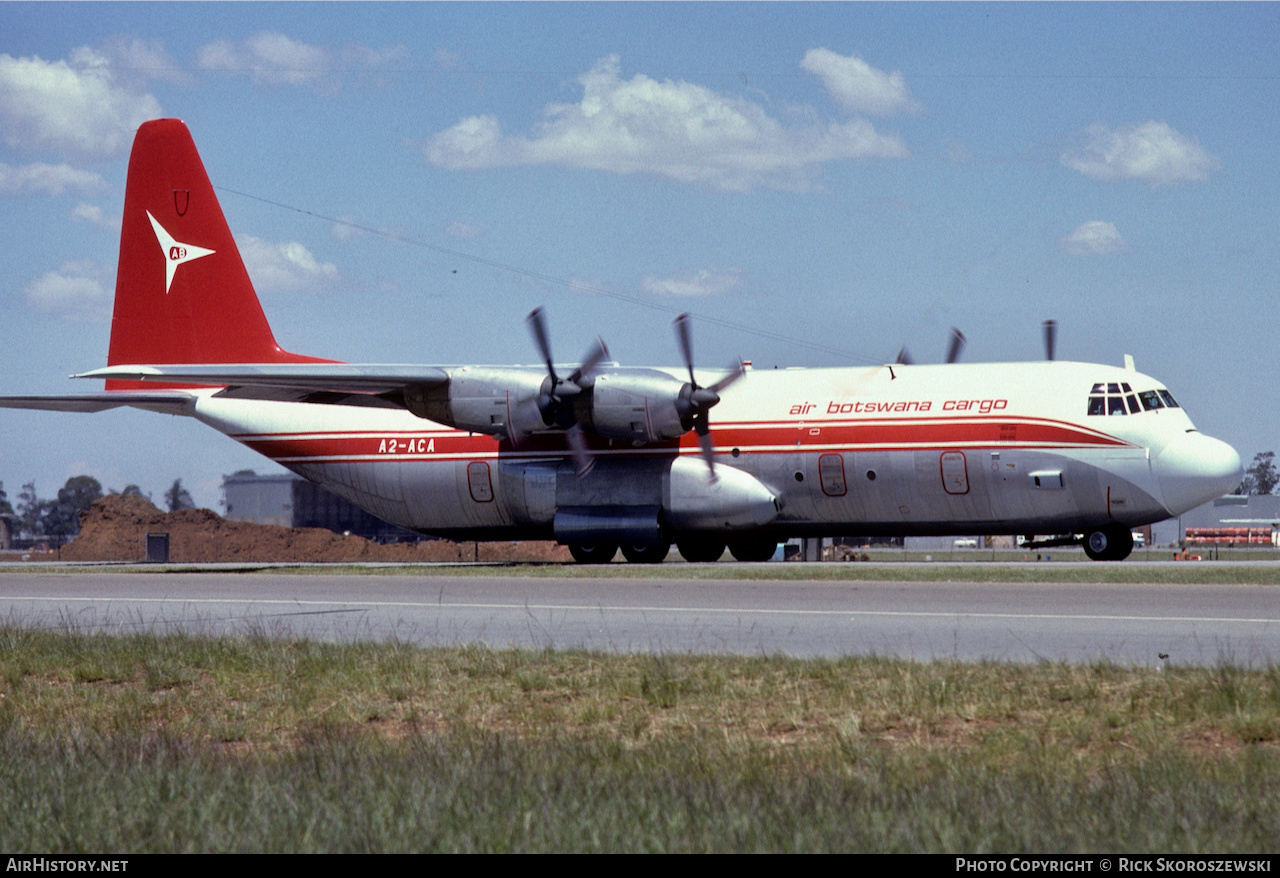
699,549
599,553
747,549
646,554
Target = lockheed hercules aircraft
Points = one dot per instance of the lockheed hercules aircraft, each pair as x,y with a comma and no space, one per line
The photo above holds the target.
601,456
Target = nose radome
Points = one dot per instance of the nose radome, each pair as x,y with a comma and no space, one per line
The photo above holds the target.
1194,469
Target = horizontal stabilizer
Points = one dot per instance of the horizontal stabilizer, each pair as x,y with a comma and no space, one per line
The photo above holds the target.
174,402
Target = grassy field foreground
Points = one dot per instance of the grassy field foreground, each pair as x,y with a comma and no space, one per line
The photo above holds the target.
177,743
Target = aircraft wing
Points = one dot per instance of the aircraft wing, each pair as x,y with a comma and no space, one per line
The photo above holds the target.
326,383
302,378
174,402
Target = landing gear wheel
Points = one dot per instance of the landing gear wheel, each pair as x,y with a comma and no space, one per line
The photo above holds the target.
646,554
700,550
598,553
1111,543
753,549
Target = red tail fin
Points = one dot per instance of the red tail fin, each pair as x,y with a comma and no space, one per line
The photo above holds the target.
182,292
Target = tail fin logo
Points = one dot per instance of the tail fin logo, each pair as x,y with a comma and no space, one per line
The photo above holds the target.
175,252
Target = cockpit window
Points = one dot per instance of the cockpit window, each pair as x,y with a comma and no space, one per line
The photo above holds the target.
1118,398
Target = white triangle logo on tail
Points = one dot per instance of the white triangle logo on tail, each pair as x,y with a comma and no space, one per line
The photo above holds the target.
175,252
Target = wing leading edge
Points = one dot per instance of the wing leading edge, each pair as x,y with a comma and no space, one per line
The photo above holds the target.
322,383
303,377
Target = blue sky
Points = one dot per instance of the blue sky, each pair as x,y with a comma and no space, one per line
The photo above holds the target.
819,184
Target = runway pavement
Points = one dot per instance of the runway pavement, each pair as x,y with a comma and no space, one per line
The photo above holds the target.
1123,623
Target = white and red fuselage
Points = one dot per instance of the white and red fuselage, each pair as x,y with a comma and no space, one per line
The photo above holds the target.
983,448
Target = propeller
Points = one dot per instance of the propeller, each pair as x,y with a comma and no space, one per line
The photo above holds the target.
1050,338
694,403
555,399
956,346
953,350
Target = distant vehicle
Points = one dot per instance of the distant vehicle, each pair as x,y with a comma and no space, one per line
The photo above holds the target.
600,456
966,544
1230,536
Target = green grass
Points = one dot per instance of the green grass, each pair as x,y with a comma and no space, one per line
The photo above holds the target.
181,743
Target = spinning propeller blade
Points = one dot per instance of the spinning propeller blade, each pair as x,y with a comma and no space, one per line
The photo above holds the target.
696,402
956,346
555,401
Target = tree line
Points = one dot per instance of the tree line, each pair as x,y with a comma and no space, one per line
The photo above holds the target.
1261,477
59,516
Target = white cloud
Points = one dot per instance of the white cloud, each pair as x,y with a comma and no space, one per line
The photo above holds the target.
275,59
1094,237
76,109
704,282
475,142
77,291
859,87
366,58
131,61
284,267
1151,151
446,59
269,58
457,229
346,229
49,179
673,129
92,213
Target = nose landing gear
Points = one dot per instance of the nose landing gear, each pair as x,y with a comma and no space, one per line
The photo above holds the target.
1111,543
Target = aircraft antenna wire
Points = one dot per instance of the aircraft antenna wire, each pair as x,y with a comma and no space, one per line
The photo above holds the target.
559,281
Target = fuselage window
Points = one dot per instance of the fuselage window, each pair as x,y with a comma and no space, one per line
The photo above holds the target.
1115,405
1168,399
1133,403
1150,400
1097,405
1113,388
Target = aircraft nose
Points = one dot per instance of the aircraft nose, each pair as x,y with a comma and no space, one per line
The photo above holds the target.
1194,469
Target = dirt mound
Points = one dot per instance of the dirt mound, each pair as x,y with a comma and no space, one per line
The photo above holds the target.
115,528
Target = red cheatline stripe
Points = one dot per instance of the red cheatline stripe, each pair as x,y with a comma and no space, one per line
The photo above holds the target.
814,437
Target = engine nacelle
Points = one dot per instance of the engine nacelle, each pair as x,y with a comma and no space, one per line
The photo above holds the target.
639,406
730,500
496,401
